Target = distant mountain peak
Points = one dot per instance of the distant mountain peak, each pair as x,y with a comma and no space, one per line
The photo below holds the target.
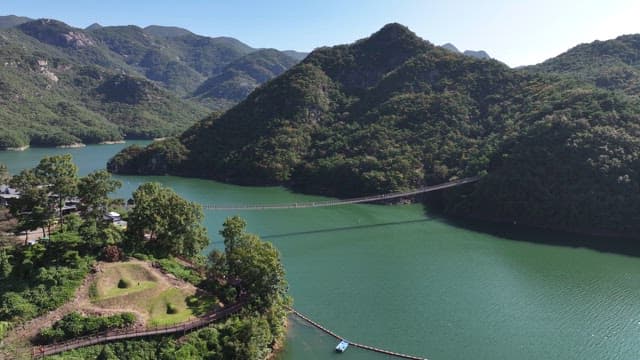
167,31
94,26
394,32
479,54
10,21
57,33
451,47
298,55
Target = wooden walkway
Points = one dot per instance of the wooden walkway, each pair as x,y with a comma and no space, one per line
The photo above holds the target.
365,199
362,346
123,334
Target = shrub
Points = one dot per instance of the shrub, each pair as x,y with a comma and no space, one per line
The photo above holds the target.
171,309
5,326
124,284
112,253
93,291
173,267
74,325
14,306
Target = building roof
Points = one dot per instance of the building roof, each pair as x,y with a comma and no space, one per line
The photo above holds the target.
7,190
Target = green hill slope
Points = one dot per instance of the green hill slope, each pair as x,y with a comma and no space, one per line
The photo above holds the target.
57,88
63,85
242,76
394,112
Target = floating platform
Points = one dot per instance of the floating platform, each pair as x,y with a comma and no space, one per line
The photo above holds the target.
342,346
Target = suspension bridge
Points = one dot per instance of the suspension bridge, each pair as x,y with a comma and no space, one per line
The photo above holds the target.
358,200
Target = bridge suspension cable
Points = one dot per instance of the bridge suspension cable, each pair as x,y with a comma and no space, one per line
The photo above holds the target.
365,199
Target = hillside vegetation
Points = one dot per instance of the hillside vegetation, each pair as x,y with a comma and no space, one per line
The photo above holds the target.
393,112
611,64
61,85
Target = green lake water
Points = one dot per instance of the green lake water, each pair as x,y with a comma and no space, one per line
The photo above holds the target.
396,278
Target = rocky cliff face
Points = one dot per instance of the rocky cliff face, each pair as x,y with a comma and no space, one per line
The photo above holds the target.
57,33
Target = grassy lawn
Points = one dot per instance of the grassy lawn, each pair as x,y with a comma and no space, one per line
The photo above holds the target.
148,293
135,287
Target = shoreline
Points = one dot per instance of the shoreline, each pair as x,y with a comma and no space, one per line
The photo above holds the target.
21,148
279,345
71,146
111,142
74,145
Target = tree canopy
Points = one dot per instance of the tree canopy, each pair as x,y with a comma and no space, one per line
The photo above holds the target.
94,190
165,223
251,264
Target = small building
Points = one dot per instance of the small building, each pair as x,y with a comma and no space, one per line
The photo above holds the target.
112,216
7,194
71,205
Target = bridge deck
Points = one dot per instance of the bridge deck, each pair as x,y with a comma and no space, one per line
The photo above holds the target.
365,199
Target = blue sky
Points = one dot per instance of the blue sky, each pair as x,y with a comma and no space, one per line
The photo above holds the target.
516,32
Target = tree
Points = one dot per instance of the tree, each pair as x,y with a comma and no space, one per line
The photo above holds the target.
232,231
33,209
251,263
4,174
171,224
94,190
60,174
5,264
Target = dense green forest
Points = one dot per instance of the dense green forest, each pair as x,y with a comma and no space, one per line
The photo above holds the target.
393,112
62,85
612,64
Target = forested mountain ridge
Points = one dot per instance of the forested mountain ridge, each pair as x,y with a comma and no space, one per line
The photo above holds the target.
611,64
242,76
479,54
68,93
393,112
10,21
64,85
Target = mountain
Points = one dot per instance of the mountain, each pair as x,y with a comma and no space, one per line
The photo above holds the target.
296,54
10,21
60,86
611,64
480,54
180,60
451,47
242,76
393,112
166,31
94,26
106,83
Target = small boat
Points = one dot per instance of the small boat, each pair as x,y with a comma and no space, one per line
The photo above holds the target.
342,346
